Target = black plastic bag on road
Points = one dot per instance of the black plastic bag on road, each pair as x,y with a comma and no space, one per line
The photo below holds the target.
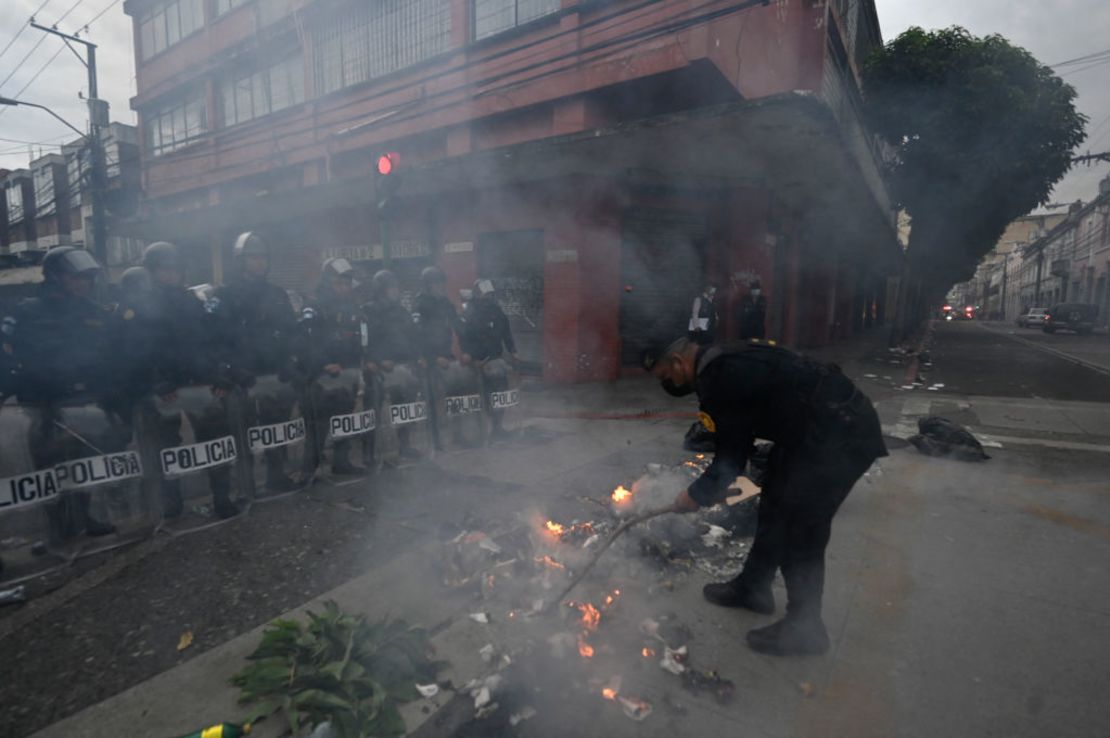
939,436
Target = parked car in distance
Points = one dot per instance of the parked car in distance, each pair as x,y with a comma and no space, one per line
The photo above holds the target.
1071,316
1035,317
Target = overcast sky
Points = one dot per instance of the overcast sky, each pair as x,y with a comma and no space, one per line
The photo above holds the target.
1054,31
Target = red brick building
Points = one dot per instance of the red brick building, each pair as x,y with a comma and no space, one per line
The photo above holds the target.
601,160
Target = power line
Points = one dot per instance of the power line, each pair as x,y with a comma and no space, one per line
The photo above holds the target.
37,45
1081,59
23,28
96,17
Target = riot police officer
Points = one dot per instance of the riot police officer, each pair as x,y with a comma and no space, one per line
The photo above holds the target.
392,341
333,338
254,323
166,331
484,339
437,322
60,345
826,435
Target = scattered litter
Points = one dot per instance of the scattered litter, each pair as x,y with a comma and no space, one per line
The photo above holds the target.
185,641
939,436
486,652
907,386
427,690
525,713
806,689
871,376
709,681
488,544
636,709
480,617
716,537
673,659
13,596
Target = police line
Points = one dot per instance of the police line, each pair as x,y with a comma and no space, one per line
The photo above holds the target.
45,484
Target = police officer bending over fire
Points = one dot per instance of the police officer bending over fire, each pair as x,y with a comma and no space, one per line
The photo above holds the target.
254,324
61,352
826,434
333,336
165,336
484,338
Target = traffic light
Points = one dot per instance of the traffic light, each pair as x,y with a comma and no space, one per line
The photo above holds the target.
388,180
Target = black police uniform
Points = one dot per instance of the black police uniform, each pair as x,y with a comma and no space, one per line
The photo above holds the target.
751,316
170,347
826,434
391,336
332,331
486,335
254,325
64,361
436,322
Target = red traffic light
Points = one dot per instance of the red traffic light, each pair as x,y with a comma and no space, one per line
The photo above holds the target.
388,162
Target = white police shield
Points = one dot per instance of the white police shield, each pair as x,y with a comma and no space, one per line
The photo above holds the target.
455,394
341,416
274,438
501,397
403,432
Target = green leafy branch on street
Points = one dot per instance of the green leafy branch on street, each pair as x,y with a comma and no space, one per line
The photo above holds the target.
339,668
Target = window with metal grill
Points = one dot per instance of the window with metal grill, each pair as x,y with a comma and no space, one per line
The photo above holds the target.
45,203
252,94
15,202
374,39
495,16
175,124
164,24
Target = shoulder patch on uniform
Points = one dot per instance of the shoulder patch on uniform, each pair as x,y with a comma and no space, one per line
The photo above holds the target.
704,419
128,314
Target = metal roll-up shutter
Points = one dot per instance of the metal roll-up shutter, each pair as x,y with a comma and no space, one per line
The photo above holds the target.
662,270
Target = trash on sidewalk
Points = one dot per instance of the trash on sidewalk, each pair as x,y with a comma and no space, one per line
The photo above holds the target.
185,641
525,713
427,690
227,730
941,437
673,660
480,617
13,596
695,681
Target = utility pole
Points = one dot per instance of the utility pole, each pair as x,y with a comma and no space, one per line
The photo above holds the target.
98,119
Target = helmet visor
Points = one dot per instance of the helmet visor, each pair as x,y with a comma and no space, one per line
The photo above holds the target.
79,261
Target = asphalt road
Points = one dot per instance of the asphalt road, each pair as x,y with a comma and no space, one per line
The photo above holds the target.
972,359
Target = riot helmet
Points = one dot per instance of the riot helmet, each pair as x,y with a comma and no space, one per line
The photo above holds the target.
384,286
432,275
135,282
71,269
484,289
164,263
252,255
337,277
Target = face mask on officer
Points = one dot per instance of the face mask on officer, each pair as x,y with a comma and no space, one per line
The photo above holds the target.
256,266
79,285
342,286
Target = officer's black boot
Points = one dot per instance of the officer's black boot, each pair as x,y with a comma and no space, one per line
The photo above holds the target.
406,450
276,478
93,527
341,461
172,505
738,593
794,635
220,481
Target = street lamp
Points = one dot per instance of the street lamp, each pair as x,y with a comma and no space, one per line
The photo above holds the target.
99,223
12,102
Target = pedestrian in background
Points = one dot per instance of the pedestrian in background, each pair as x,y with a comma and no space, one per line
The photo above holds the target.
751,312
703,317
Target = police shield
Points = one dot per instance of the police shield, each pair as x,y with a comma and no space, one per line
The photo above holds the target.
274,438
191,449
403,432
340,416
456,406
501,394
70,486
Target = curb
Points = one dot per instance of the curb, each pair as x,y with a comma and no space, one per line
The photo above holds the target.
1100,368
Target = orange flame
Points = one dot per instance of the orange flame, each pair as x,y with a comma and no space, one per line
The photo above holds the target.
620,494
699,457
591,617
648,653
585,650
549,562
609,693
554,528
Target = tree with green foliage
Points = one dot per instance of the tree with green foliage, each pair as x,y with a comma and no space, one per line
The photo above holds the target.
981,131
